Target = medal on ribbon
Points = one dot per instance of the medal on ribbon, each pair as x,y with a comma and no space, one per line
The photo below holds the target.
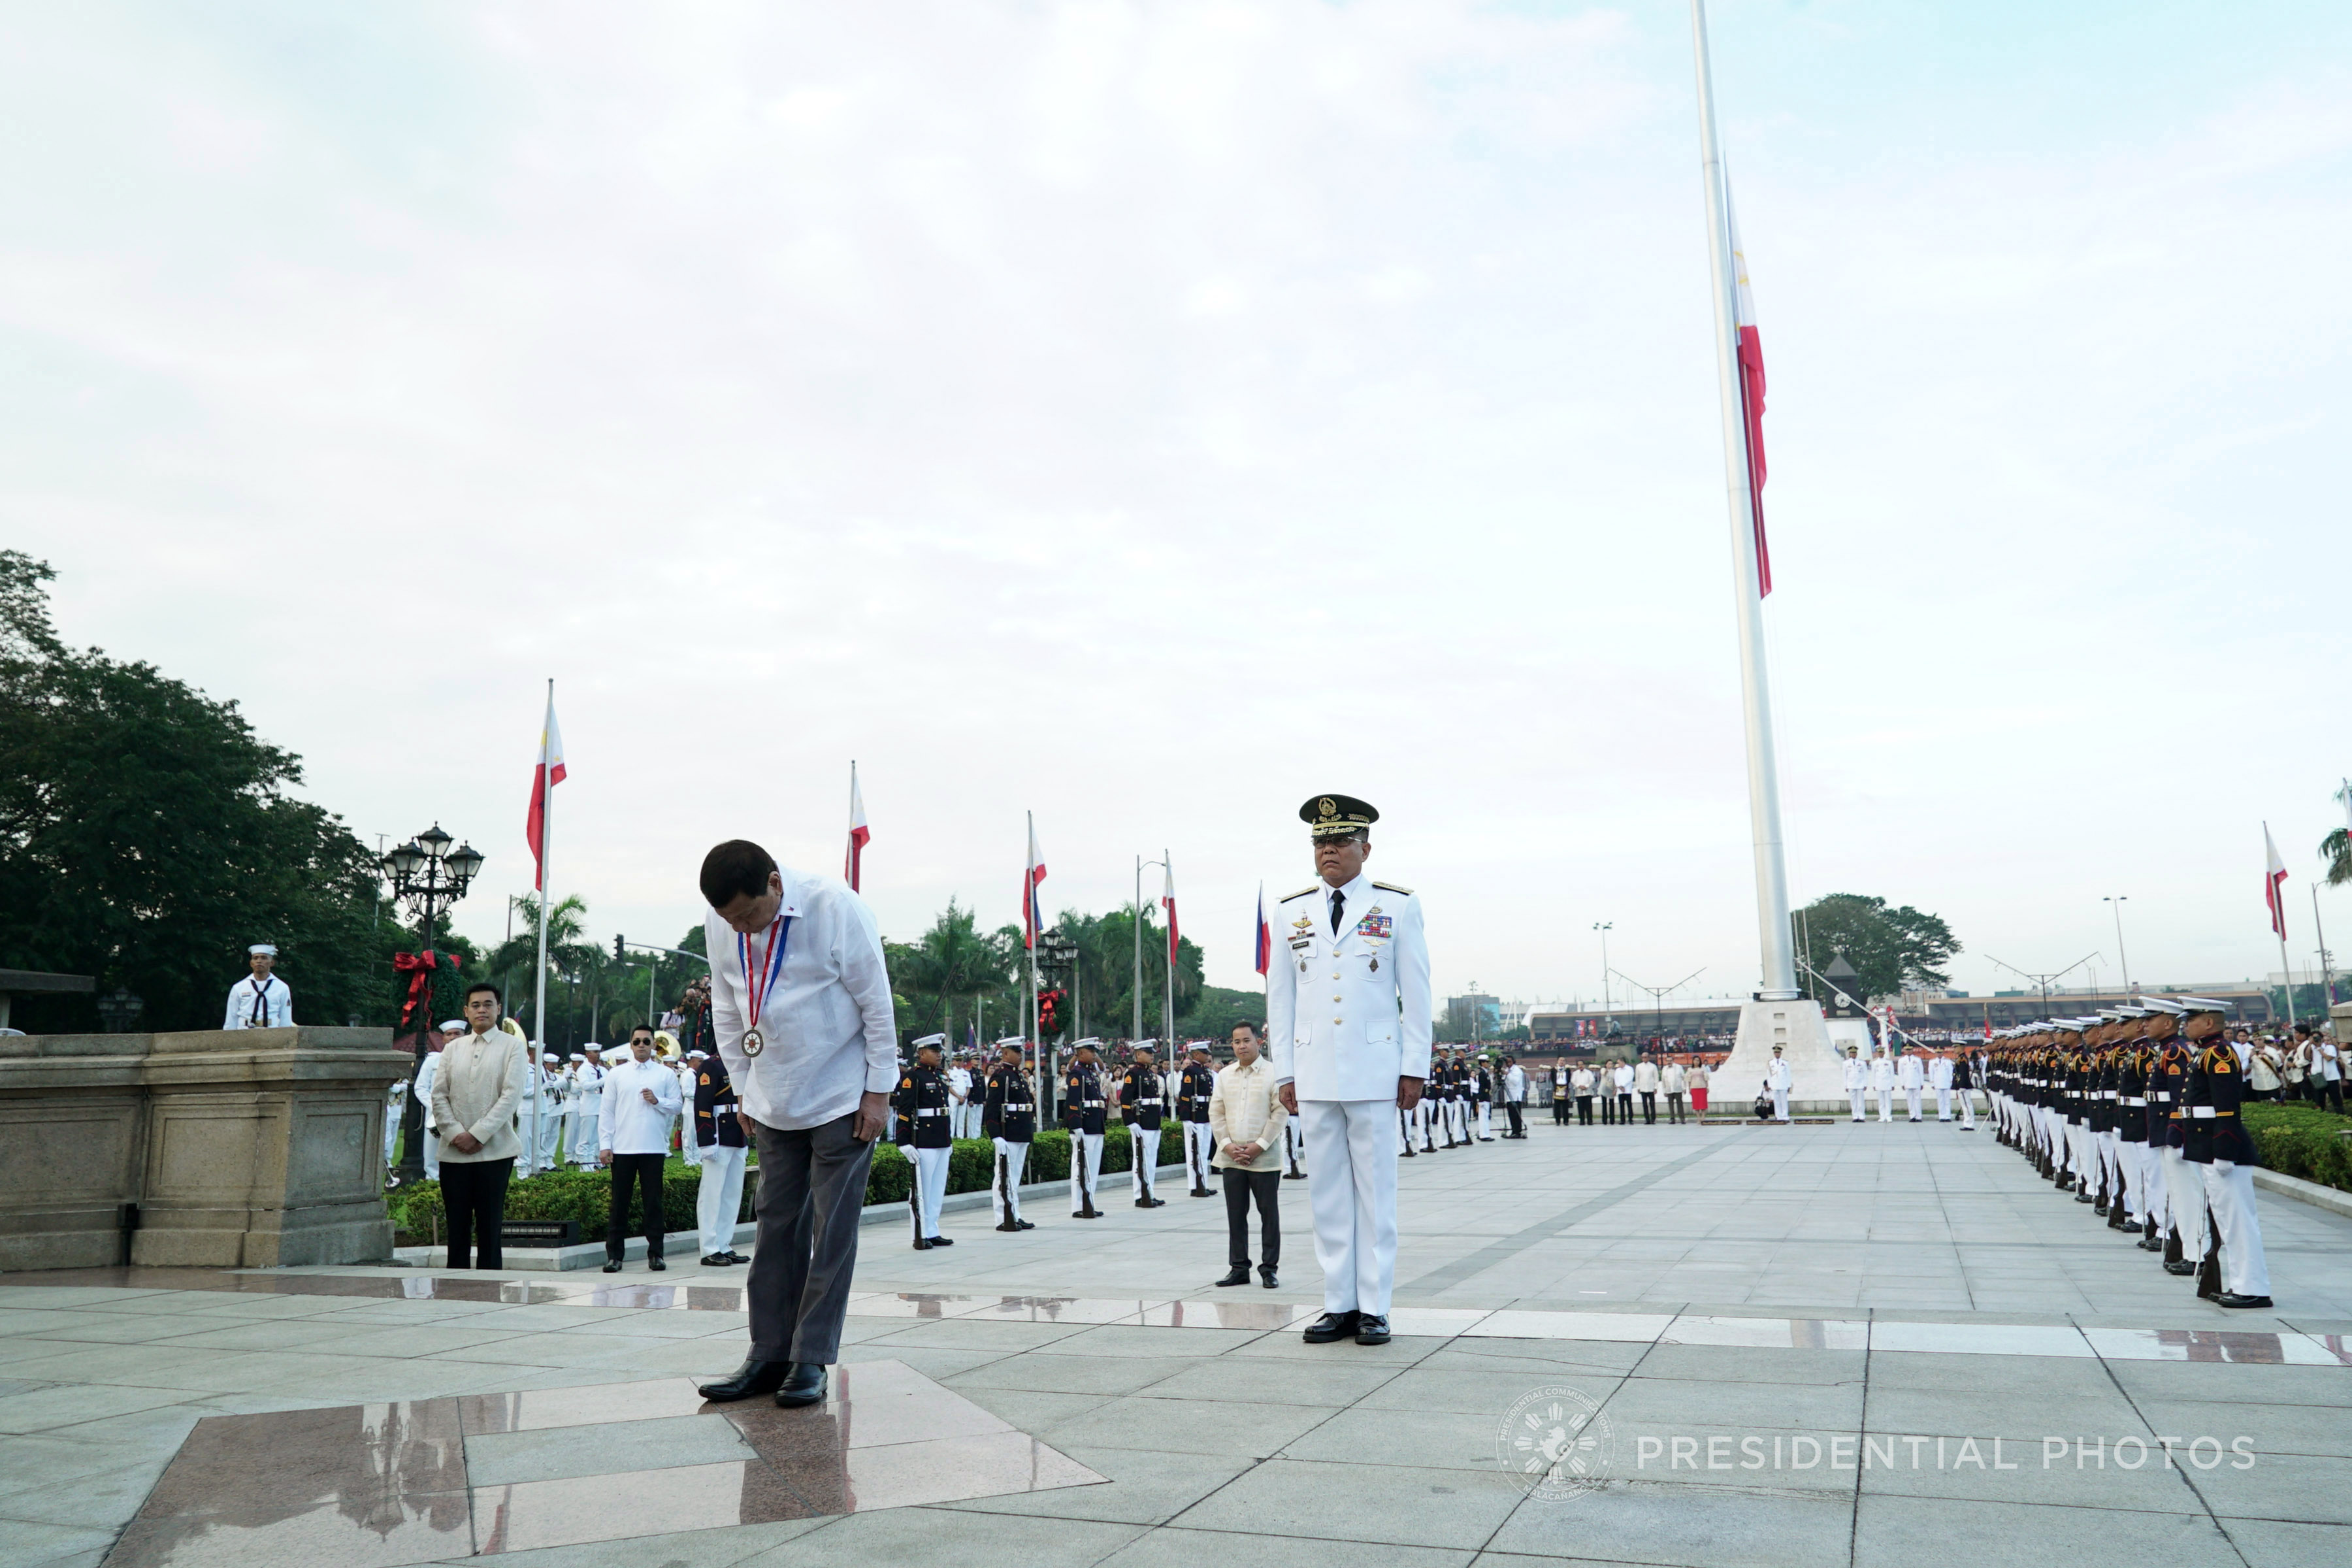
759,984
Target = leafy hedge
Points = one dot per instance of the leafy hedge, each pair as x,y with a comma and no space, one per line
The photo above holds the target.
2301,1140
585,1196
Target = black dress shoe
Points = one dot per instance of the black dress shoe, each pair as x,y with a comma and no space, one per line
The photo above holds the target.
716,1260
1408,1154
1155,1203
611,1266
754,1377
805,1385
1330,1326
921,1244
1238,1275
2232,1299
655,1264
734,1257
1372,1331
1024,1225
941,1241
1265,1276
2182,1267
1008,1225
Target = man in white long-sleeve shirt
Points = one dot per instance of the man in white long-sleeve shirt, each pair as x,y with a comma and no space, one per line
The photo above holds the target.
801,1013
641,1100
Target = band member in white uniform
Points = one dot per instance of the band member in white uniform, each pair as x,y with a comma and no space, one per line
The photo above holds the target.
261,1000
1346,1079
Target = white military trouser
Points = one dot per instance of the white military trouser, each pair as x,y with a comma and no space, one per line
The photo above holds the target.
1086,1167
1200,1152
2155,1196
1857,1095
1911,1099
583,1139
720,1197
1968,1109
431,1154
1458,1111
1486,1119
2184,1185
930,1186
1351,1175
392,1136
550,1133
1143,1146
1943,1103
687,1148
1420,1119
1780,1103
2229,1188
1886,1103
1004,1191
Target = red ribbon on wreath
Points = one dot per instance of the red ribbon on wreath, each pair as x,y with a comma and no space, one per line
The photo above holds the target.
419,967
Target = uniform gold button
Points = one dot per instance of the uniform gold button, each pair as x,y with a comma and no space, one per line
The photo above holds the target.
1335,1023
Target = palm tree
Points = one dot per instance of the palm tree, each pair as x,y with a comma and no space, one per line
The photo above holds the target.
567,953
951,962
2336,848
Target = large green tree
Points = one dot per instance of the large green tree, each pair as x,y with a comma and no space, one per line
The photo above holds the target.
147,836
1890,949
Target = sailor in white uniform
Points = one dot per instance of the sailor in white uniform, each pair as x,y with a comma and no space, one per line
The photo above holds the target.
1882,1083
1777,1079
1345,1078
261,1000
1857,1079
1912,1072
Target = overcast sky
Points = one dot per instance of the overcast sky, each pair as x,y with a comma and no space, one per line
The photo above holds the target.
1148,415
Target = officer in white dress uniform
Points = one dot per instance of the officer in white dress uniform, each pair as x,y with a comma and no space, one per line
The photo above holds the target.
1882,1083
260,1001
1857,1080
960,1107
422,1090
1345,1078
554,1104
1939,1076
1776,1078
1912,1073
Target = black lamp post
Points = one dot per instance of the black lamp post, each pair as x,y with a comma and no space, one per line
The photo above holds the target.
428,876
119,1009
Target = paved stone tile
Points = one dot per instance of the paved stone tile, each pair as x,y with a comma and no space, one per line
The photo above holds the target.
1601,1356
26,1544
1146,1486
1679,1523
1352,1372
1892,1531
913,1535
98,1328
1975,1374
1748,1458
2058,1479
1431,1439
1427,1388
1025,1409
1177,1547
2271,1543
1663,1400
962,1335
2317,1429
2163,1380
1118,1339
1186,1425
608,1447
70,1404
1107,1375
2016,1415
2293,1487
717,1548
1409,1506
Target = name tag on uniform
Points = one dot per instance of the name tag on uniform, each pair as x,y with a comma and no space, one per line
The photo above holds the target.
1380,926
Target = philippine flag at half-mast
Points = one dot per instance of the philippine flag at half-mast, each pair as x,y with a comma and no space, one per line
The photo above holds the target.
545,776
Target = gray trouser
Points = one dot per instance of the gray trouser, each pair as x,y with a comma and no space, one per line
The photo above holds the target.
812,1196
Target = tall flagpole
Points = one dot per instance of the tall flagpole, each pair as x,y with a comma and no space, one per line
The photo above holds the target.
1029,919
546,885
1777,971
1168,997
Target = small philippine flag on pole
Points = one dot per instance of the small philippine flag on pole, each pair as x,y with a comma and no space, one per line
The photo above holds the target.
2271,893
1265,934
1032,918
1751,396
543,778
858,833
1168,902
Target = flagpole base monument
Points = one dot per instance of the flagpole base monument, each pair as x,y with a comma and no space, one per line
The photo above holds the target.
1816,1075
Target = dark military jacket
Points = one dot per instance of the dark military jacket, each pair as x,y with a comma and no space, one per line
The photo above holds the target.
1193,1086
1142,1098
715,1106
2217,1092
1008,1110
1084,1096
921,1102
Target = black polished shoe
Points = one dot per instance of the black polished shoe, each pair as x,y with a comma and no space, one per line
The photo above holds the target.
734,1257
1265,1276
2231,1298
941,1241
1238,1275
1330,1326
2180,1266
611,1266
655,1264
753,1378
1024,1225
1372,1331
1007,1225
805,1385
1155,1203
1408,1154
716,1260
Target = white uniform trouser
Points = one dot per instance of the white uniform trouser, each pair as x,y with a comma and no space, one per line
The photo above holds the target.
1780,1103
1200,1151
1911,1101
2110,1166
1857,1096
1886,1104
2229,1188
2184,1185
1294,1141
1943,1103
2127,1166
2078,1146
1005,1183
1351,1184
1420,1119
584,1140
930,1186
1404,1129
1143,1143
550,1133
687,1148
1085,1160
720,1198
1968,1109
1486,1119
2155,1195
392,1139
432,1154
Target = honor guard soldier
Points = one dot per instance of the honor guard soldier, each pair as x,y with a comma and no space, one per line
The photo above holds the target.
1085,1114
260,1001
2223,1153
718,1133
921,1102
1347,1070
1008,1114
1193,1086
1143,1096
2184,1186
1482,1087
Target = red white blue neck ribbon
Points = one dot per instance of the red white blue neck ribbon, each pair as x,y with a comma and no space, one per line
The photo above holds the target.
758,983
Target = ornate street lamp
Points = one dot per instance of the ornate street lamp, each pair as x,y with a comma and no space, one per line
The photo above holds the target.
427,875
119,1009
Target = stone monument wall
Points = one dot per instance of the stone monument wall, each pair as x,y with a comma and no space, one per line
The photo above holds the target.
226,1149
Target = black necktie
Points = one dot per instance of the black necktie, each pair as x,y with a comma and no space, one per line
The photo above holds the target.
1339,902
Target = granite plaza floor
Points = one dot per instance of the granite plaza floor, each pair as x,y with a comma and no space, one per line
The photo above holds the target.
1818,1344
